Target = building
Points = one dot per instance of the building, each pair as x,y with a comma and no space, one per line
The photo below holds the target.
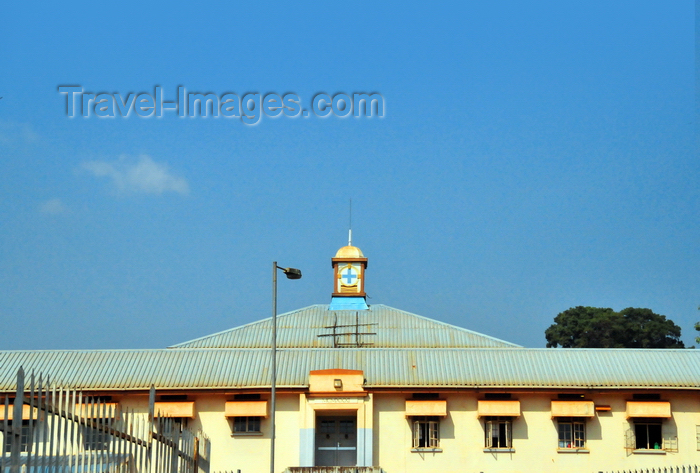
376,386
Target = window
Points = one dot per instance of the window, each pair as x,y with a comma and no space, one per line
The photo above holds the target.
646,397
697,436
426,396
24,438
173,397
171,427
242,425
426,432
246,397
572,433
571,396
40,432
94,438
499,432
498,396
347,427
648,436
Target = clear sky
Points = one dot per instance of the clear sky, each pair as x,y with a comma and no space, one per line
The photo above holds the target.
533,156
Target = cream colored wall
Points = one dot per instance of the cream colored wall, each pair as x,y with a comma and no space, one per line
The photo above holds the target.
534,437
250,454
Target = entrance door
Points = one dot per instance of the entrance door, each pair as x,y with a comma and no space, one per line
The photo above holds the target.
336,441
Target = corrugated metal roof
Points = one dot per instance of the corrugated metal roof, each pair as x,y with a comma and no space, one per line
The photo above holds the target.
394,328
436,368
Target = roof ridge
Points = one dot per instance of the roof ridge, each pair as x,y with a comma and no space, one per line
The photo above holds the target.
239,327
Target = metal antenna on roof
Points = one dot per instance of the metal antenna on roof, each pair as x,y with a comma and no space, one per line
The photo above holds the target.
350,226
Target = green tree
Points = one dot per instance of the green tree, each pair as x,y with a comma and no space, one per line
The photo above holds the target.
585,327
649,330
697,327
594,327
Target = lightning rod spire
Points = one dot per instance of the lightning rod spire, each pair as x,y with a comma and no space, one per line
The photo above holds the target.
350,226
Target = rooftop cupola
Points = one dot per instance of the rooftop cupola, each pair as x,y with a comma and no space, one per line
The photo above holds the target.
349,266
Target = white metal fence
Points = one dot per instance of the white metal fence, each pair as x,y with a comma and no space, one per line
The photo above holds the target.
663,469
46,429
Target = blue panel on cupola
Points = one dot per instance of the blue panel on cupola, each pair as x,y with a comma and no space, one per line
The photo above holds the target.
348,303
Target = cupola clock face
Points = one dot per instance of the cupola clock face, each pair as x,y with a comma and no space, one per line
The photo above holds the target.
349,278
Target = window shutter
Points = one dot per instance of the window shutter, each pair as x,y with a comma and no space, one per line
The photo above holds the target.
434,435
630,440
416,434
670,444
508,440
489,436
579,435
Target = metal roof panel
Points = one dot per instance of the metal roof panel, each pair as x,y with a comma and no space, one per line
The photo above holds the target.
392,368
309,328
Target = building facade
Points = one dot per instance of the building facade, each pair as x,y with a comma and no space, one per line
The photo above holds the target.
361,385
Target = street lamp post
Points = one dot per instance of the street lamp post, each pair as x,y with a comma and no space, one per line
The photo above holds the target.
291,273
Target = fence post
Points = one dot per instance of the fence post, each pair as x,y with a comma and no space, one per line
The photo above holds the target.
30,434
16,427
151,416
195,467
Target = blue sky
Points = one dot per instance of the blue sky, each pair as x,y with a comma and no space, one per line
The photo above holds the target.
532,156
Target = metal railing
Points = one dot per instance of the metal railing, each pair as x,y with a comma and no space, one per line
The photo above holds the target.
47,429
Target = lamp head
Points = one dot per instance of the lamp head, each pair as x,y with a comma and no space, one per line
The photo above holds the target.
292,273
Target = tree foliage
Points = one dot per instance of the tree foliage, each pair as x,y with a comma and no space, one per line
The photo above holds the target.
595,327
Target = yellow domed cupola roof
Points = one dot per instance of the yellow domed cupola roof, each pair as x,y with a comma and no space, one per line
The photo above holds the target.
349,252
